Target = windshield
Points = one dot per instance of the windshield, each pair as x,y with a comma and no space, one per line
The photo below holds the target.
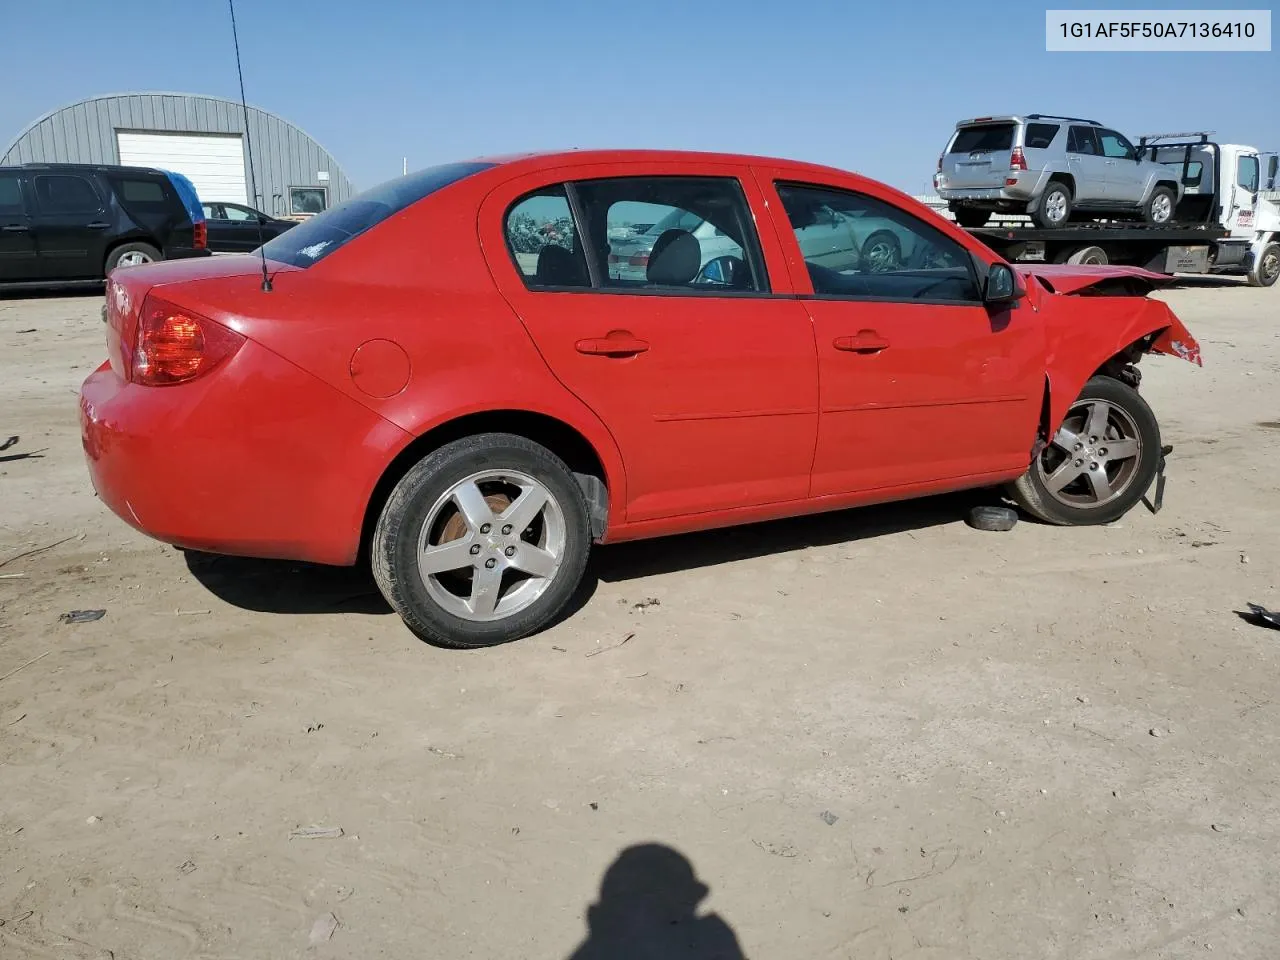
677,219
314,239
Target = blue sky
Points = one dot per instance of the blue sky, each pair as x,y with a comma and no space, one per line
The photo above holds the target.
868,86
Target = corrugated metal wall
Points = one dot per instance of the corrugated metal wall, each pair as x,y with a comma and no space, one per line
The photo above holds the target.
85,132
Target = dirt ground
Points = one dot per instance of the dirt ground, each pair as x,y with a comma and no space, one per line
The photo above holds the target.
875,734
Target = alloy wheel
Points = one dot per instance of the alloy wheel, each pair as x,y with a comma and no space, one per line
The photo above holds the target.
1094,457
491,545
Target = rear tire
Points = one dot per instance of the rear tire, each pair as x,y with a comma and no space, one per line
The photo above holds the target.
449,565
1100,463
1266,269
131,255
1054,208
1159,206
969,217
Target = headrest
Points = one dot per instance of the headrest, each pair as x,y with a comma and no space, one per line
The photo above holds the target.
675,259
557,267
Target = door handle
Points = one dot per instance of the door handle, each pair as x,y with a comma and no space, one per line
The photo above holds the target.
620,344
97,225
866,341
15,228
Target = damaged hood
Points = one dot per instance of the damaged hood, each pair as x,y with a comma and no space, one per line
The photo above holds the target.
1067,278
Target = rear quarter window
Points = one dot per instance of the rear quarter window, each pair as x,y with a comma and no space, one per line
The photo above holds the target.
1040,135
314,239
989,136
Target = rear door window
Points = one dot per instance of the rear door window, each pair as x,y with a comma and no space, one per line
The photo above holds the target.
698,235
543,240
1040,135
1081,140
11,204
990,136
66,194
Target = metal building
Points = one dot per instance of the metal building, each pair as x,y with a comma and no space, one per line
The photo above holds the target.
200,137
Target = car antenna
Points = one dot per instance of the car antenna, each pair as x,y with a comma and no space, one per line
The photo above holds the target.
248,142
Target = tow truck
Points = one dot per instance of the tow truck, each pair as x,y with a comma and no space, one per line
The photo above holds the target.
1228,221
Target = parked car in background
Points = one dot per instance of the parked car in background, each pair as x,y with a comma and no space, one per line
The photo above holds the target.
75,223
445,375
1052,168
234,228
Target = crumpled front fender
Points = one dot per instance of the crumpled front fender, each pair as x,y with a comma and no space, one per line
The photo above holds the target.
1084,333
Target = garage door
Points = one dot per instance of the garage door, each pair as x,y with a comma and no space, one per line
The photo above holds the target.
213,162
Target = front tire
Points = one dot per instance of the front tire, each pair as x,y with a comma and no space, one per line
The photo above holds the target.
482,542
1054,208
1266,269
1099,464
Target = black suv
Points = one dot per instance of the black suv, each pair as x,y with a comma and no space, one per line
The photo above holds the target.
75,223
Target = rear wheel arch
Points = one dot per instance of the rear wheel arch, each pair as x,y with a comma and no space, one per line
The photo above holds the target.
1062,176
600,483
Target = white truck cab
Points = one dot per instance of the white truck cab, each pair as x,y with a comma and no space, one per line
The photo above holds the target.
1233,185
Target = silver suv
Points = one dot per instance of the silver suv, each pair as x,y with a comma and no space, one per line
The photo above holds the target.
1050,167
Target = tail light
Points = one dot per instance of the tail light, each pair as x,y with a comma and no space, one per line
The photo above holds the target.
1016,160
200,238
175,345
939,163
638,260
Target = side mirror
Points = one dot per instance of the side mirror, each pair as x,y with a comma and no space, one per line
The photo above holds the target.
1002,285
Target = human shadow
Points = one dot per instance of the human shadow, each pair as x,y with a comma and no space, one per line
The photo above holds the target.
648,910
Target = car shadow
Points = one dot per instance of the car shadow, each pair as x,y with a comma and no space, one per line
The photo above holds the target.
1203,281
690,551
290,587
91,289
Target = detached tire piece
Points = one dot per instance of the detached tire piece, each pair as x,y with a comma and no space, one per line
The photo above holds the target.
1266,269
482,542
131,255
1054,208
1099,464
995,519
1159,206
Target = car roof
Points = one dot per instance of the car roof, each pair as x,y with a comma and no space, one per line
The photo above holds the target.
95,167
533,161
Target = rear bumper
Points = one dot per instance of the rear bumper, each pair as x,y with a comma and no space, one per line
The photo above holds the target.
987,195
257,458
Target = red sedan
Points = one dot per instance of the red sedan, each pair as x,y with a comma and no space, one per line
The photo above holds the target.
443,371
